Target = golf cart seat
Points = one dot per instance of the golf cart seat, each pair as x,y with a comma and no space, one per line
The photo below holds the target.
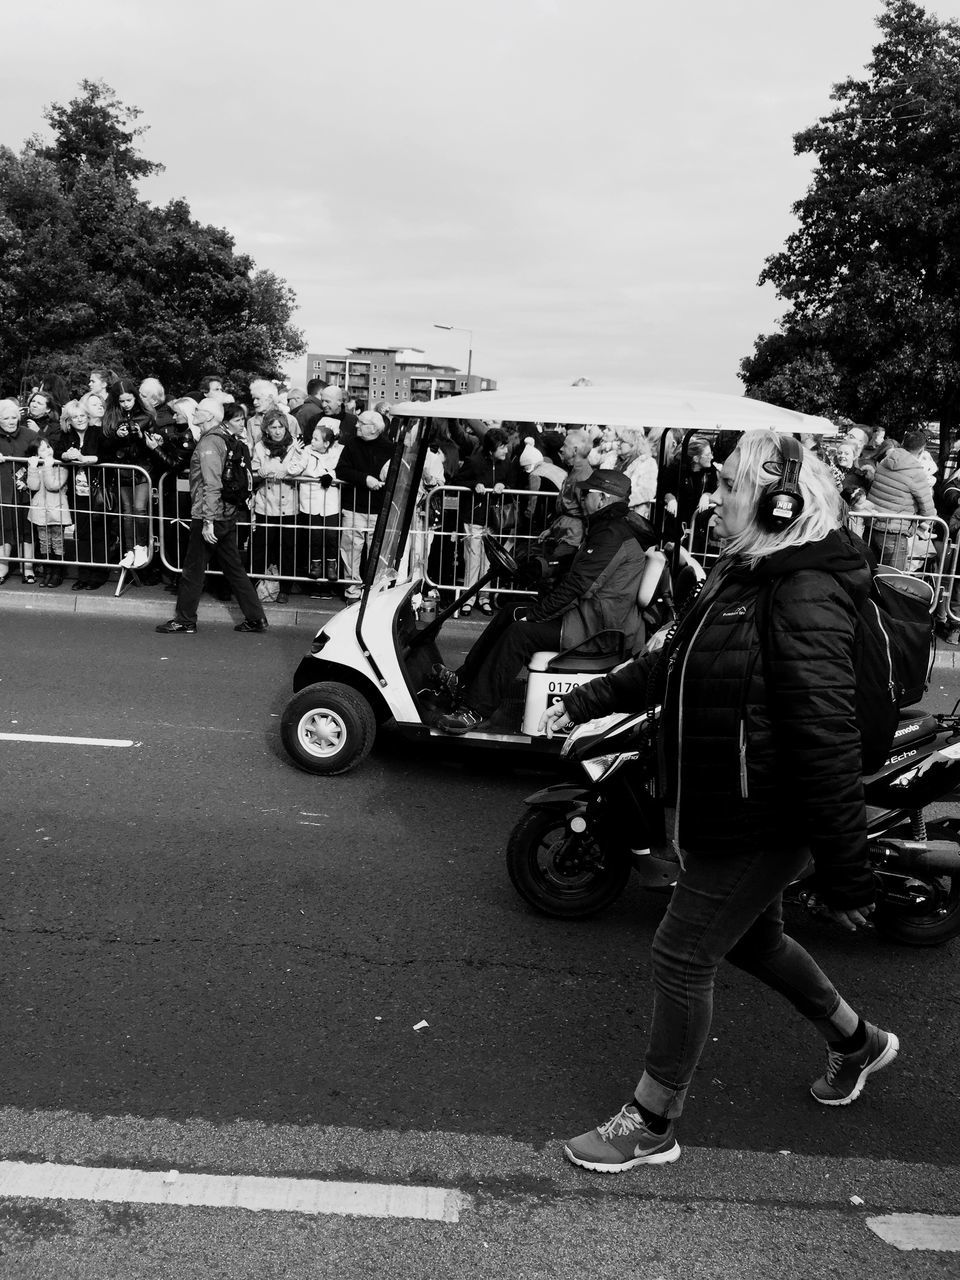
593,656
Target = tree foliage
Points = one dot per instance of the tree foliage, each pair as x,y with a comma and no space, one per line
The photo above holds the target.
872,272
91,274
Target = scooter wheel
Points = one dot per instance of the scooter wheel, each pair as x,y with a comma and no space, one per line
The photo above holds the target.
934,920
560,873
328,728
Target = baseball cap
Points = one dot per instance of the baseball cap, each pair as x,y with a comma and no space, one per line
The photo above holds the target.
613,482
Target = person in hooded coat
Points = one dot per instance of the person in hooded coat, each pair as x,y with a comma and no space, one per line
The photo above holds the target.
760,771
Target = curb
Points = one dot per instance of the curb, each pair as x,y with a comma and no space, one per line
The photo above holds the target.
153,604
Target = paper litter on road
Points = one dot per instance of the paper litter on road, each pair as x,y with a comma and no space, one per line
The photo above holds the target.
421,1025
857,1200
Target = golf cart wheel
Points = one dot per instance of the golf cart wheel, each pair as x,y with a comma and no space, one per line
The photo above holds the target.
560,873
328,728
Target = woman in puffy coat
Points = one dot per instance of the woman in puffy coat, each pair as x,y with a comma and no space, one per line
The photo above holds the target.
276,458
760,770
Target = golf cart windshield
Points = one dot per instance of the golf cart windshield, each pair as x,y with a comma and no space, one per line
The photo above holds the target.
385,563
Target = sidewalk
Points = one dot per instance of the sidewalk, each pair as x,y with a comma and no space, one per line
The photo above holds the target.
154,604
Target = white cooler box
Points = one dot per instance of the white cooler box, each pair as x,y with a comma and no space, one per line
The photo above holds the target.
544,687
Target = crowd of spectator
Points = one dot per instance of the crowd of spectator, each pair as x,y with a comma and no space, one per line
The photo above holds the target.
319,460
77,469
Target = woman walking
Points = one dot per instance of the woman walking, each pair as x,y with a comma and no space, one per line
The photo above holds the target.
760,761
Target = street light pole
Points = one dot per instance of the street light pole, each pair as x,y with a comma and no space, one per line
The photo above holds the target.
455,328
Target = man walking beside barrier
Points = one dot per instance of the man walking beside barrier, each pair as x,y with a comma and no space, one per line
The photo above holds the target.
213,523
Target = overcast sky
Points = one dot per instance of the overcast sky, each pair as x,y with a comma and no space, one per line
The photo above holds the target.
591,186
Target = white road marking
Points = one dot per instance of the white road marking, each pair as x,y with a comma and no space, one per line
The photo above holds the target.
918,1231
283,1195
70,742
312,824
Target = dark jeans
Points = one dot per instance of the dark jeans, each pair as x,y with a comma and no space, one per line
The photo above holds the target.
198,556
498,657
91,535
726,906
323,542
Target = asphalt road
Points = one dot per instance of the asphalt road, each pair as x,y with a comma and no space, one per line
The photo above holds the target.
191,930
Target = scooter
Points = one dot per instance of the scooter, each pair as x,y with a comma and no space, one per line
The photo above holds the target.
571,854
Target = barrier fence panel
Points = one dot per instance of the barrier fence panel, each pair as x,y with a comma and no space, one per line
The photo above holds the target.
68,514
89,516
914,544
297,530
454,520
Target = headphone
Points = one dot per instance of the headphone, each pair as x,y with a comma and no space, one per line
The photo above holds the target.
781,505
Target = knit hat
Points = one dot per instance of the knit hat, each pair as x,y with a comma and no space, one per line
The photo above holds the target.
531,456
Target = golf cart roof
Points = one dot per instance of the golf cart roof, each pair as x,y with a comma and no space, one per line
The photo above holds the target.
621,406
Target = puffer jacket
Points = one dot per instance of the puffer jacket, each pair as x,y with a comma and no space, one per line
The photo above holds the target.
759,743
902,484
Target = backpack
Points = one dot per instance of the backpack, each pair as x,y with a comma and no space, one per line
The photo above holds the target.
891,656
236,484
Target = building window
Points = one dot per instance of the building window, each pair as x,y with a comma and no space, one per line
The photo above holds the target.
318,364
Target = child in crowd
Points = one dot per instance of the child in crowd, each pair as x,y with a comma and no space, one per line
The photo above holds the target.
319,496
49,511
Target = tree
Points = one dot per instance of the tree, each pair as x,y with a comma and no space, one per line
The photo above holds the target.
872,272
92,274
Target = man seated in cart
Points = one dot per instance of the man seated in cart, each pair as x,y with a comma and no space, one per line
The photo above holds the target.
597,595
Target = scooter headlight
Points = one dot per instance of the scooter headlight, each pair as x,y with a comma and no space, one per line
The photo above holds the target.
606,766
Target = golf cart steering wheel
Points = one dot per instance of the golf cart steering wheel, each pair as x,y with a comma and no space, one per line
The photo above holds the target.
498,558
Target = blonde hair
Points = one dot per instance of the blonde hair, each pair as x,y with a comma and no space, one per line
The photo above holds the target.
84,402
634,437
71,411
822,506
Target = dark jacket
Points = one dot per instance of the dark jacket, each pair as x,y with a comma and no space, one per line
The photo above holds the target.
308,415
86,483
13,475
599,590
128,450
486,508
759,743
359,459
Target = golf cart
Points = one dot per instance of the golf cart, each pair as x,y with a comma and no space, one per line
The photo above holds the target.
374,663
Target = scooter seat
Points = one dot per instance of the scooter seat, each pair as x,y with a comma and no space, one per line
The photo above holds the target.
914,727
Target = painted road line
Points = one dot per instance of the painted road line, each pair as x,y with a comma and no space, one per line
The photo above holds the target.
70,742
280,1195
918,1231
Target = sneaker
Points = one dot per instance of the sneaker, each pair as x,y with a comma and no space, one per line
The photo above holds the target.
176,628
140,557
460,721
846,1073
247,625
622,1143
126,561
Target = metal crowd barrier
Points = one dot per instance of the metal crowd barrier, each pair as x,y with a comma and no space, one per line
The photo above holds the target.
296,547
121,509
914,544
100,512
